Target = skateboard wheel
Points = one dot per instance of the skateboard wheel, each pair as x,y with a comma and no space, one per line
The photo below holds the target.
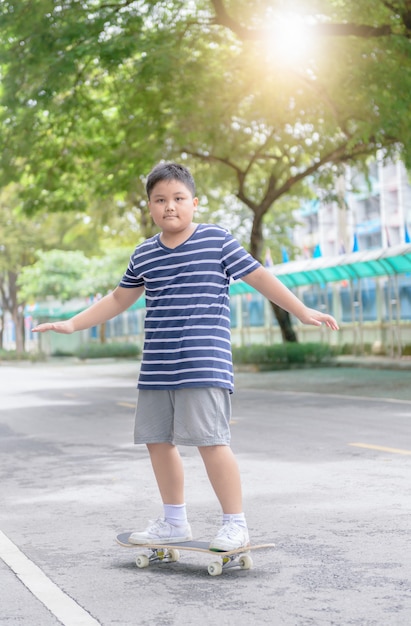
215,569
245,561
173,555
142,561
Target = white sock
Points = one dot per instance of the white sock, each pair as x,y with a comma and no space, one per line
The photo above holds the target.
238,518
175,514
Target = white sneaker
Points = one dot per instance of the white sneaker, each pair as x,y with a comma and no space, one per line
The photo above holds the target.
230,537
162,532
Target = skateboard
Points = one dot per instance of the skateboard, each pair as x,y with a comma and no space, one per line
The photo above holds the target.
170,553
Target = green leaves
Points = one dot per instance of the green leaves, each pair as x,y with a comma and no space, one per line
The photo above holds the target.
94,93
65,274
56,273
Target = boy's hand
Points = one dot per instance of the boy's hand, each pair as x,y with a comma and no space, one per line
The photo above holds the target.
66,327
316,318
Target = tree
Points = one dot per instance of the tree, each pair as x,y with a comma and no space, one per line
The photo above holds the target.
56,273
107,89
24,238
274,129
67,274
20,238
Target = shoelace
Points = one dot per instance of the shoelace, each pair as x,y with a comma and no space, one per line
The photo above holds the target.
157,525
230,530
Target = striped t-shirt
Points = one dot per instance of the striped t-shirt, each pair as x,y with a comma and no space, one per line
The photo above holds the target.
187,326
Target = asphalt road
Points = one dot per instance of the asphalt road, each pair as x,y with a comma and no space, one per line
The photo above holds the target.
325,457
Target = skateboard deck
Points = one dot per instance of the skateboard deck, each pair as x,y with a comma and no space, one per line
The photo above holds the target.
170,553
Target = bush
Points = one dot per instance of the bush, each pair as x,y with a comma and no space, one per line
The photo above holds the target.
107,350
351,348
62,353
12,355
284,356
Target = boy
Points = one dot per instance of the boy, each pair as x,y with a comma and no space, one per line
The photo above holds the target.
186,373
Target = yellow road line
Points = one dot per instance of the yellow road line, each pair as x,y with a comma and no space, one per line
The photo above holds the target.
128,405
370,446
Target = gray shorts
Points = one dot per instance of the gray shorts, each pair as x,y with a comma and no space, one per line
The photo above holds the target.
193,416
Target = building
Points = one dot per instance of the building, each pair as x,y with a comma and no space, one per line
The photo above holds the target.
371,212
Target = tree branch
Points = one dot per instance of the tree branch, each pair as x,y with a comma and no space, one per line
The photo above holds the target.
212,157
115,5
259,152
209,158
241,177
223,19
339,155
364,31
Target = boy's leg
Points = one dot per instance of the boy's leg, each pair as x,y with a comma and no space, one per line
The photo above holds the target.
168,470
224,475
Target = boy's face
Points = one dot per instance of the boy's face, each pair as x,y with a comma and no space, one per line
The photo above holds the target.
172,206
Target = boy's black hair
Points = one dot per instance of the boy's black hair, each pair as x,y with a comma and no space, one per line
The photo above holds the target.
170,171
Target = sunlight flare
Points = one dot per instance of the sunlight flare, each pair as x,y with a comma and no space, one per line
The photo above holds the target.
289,39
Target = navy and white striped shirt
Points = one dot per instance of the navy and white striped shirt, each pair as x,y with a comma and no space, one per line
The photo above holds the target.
187,326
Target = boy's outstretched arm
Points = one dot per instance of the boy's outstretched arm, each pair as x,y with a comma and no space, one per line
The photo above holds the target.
108,307
273,289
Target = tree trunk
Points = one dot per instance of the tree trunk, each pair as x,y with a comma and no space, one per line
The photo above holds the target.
256,248
2,322
284,320
18,320
256,238
16,310
148,228
103,332
3,305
